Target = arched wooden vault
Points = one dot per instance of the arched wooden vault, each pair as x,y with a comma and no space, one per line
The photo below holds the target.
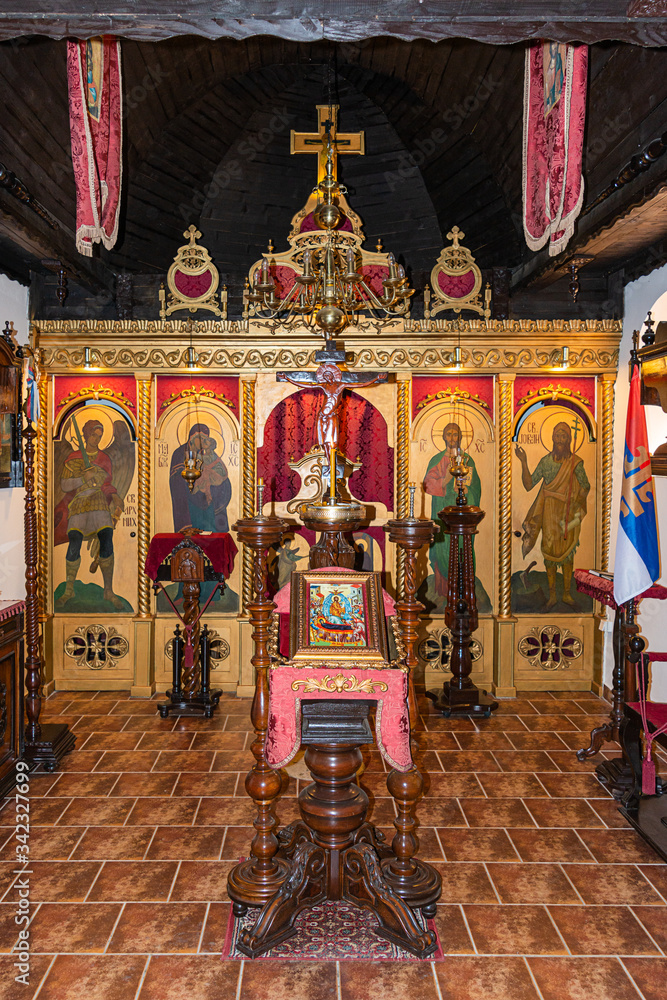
207,141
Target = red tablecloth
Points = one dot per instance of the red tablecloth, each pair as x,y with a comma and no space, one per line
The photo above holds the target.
288,686
602,590
219,548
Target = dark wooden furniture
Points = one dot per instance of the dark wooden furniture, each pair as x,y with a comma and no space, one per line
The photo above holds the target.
11,691
410,534
645,812
255,881
334,854
460,696
189,560
616,774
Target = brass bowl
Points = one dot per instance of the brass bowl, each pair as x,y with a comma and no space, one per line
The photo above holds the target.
340,513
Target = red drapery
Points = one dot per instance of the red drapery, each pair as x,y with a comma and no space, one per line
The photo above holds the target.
96,128
554,118
290,432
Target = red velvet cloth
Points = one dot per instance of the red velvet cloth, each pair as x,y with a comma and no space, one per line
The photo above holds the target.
374,275
220,549
656,711
291,431
456,286
288,687
193,285
553,142
603,590
96,130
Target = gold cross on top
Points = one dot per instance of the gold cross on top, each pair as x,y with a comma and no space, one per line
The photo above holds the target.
315,142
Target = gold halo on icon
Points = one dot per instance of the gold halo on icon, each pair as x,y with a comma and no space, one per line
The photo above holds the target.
210,420
561,414
83,415
452,417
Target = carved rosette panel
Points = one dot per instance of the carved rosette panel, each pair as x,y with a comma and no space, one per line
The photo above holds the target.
436,649
550,647
219,648
96,646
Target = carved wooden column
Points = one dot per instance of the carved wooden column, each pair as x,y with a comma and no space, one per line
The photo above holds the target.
460,696
47,744
144,666
410,534
254,882
505,622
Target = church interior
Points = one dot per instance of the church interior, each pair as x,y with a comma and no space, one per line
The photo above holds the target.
333,445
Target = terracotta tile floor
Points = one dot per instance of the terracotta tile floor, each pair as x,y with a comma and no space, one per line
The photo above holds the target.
547,893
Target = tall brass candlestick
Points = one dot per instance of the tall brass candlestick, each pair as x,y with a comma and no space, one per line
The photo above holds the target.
260,497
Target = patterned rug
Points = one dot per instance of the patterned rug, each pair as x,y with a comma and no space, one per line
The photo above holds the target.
330,932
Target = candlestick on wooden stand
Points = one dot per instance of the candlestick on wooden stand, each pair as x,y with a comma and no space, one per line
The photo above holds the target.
410,534
460,696
47,744
253,882
334,519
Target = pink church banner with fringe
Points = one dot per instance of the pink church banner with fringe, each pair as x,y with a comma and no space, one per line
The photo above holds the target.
96,129
554,119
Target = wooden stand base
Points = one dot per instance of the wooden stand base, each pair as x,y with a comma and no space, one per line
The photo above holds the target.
198,705
453,702
616,776
55,740
649,818
333,854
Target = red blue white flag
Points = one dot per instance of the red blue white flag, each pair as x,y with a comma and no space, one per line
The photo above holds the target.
32,409
637,563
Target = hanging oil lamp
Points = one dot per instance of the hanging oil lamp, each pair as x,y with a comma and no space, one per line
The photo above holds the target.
192,468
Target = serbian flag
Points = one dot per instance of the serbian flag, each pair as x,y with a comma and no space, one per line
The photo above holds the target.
96,130
554,119
637,563
32,408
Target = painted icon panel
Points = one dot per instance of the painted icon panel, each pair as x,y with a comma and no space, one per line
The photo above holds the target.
95,512
553,507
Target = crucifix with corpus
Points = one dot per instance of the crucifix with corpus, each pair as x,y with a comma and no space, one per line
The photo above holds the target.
351,143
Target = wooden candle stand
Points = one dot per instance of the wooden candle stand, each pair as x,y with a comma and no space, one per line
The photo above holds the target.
44,745
253,882
410,534
460,696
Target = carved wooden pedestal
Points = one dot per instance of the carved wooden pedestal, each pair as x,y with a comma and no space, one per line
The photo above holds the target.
410,534
332,547
460,696
44,745
253,882
334,854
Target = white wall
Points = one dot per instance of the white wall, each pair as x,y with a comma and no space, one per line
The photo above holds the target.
640,296
13,307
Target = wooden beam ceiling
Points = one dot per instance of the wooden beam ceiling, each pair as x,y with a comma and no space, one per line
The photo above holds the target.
497,22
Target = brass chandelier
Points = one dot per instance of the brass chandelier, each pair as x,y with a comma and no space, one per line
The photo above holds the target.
331,288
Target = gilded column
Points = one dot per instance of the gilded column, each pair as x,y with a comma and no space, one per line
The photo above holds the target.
505,623
249,476
42,495
505,496
607,388
403,383
144,493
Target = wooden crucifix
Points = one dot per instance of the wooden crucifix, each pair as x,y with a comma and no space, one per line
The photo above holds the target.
332,381
316,142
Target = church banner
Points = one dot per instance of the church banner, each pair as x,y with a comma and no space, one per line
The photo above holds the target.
554,119
96,127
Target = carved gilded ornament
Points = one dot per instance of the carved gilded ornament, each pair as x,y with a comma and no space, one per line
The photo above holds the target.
554,392
192,280
456,281
97,392
550,647
197,394
453,395
340,684
96,646
436,649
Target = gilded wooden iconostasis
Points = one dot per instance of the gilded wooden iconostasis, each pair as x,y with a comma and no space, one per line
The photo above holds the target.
537,436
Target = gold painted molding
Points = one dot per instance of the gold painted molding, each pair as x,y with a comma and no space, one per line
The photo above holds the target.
505,396
42,494
402,467
608,382
249,460
144,387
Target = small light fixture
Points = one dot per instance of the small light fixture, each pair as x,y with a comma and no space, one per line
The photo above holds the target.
192,357
86,357
565,361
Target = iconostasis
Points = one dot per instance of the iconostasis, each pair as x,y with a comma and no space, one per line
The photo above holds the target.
535,436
